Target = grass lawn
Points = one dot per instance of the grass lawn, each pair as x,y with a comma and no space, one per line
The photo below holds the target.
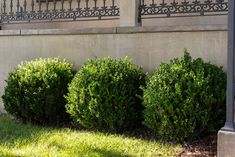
18,140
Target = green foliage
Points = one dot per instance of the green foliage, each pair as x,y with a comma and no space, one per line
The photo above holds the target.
103,94
35,91
185,98
23,140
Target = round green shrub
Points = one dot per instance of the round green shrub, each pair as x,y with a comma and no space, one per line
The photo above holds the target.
185,98
35,91
104,94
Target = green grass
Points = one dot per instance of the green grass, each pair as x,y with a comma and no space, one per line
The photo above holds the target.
18,139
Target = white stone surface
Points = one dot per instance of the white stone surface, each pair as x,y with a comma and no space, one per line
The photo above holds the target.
129,13
146,49
226,144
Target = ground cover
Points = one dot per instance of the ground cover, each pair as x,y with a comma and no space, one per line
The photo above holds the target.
25,140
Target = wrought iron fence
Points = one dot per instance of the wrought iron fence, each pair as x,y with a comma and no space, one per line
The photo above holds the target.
174,8
15,11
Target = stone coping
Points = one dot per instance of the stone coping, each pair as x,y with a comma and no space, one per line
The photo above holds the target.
113,30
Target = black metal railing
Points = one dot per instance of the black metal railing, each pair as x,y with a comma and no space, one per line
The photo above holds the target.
15,11
174,8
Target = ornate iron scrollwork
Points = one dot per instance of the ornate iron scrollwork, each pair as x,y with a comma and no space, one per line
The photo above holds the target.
161,8
53,10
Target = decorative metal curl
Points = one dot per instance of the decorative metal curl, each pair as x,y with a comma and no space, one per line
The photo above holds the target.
161,8
39,10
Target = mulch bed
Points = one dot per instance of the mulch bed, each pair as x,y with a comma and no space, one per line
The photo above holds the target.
204,147
201,147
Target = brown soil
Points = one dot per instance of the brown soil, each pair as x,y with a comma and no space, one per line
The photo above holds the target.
205,147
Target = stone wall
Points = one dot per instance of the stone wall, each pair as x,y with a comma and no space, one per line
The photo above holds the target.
147,46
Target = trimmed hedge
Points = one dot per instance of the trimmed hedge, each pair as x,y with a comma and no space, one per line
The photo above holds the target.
104,94
185,98
35,91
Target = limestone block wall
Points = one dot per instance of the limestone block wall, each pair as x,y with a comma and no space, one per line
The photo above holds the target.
147,46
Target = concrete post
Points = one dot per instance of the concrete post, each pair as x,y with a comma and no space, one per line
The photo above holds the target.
129,13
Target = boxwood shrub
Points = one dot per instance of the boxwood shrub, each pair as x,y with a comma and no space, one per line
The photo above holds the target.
104,94
35,91
185,98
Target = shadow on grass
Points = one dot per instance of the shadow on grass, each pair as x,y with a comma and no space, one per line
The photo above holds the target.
106,153
140,132
12,130
93,152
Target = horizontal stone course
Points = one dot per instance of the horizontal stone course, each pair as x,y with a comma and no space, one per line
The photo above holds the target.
114,30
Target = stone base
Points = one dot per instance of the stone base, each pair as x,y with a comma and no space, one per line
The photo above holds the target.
226,144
